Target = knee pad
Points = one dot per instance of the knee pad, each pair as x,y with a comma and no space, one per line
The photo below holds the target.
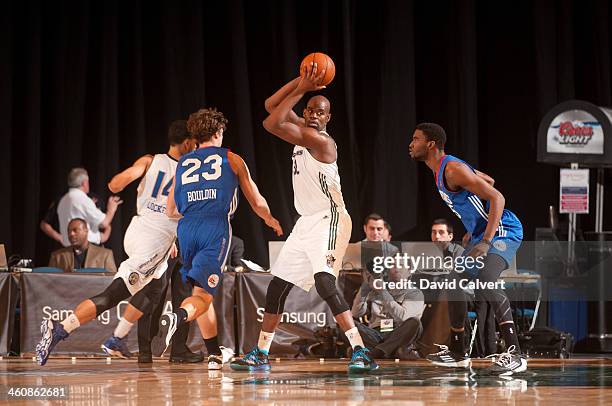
112,295
325,283
278,289
141,302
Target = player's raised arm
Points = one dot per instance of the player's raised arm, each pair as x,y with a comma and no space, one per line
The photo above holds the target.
281,124
273,101
251,192
459,175
124,178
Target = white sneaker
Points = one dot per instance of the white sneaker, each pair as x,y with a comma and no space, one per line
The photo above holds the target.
216,362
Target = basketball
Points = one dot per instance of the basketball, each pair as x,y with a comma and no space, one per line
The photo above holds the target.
323,62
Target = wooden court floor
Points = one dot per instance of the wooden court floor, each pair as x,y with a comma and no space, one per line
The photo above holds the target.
93,381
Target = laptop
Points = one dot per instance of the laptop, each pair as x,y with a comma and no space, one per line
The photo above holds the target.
352,257
3,262
426,257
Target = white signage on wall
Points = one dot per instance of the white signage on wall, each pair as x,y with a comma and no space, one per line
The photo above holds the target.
574,191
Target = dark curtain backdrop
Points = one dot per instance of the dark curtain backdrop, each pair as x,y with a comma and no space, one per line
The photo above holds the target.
97,84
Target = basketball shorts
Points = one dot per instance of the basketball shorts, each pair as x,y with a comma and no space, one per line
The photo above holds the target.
204,244
147,244
317,243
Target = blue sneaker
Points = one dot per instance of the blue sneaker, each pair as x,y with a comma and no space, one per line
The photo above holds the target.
255,360
361,361
117,347
52,333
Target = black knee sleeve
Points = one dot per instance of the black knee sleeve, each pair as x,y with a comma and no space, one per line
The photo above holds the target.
278,289
112,295
149,296
141,302
325,283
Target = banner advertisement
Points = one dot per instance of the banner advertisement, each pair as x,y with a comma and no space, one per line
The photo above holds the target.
305,312
55,295
9,293
574,191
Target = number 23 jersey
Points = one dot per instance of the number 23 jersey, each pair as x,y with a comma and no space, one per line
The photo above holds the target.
205,184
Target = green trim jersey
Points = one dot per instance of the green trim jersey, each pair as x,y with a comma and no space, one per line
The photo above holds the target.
316,185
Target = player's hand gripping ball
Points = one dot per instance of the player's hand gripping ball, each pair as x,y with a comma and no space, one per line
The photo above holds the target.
323,62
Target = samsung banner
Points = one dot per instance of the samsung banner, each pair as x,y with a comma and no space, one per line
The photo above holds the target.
55,295
305,312
8,302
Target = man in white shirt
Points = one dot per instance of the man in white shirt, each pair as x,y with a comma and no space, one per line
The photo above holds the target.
76,204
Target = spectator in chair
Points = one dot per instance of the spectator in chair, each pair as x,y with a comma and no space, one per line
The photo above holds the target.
80,253
393,324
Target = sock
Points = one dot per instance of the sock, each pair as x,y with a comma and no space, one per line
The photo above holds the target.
182,316
354,337
457,342
265,341
212,346
71,323
508,332
123,328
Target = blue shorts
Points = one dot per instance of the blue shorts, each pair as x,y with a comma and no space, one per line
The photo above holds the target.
204,244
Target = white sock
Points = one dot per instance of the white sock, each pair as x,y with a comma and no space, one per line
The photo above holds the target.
354,337
265,341
123,328
71,323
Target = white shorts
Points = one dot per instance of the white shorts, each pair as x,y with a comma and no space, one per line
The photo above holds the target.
316,244
148,247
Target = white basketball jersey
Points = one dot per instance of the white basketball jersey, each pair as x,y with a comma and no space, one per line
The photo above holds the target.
154,188
316,185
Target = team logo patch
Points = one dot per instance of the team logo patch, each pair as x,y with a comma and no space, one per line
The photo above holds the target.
330,260
499,245
133,278
213,280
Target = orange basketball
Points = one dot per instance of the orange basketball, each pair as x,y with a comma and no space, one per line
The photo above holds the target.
323,62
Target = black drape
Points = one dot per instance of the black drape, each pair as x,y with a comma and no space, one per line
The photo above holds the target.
97,84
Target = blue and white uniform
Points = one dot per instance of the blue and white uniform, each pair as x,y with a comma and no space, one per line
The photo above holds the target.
150,235
206,194
474,216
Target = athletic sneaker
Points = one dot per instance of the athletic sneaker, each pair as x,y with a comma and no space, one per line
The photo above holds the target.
167,327
361,361
255,360
52,333
117,347
508,363
217,361
448,358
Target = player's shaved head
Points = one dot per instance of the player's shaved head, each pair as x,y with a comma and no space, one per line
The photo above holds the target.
320,102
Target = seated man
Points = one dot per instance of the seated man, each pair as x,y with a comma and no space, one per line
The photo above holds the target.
374,227
80,253
394,321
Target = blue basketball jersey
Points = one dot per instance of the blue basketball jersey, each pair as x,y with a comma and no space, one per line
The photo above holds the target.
474,215
205,184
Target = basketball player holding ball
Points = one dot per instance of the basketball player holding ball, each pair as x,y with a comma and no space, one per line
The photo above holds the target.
313,252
